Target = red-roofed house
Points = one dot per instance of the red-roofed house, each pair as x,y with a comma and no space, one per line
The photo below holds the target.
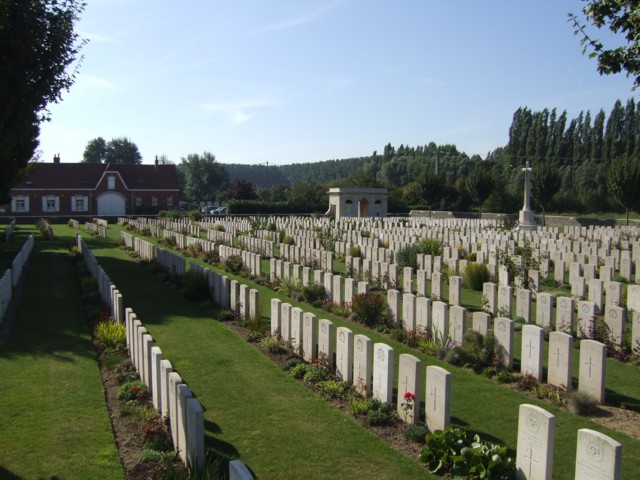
95,189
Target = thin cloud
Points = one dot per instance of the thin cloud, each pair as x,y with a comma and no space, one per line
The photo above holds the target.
239,112
304,19
91,82
93,37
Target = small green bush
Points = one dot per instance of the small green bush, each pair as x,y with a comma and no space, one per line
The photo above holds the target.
149,455
368,308
581,403
475,275
254,336
111,334
299,371
233,264
292,362
464,455
416,433
354,251
275,344
333,389
88,284
379,418
407,256
430,246
315,374
314,293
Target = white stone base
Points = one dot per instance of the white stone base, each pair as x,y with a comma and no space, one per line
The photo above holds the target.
527,221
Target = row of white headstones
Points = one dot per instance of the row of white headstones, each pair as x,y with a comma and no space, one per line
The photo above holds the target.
171,397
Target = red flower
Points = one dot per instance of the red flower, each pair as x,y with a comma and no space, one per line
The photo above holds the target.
134,388
409,396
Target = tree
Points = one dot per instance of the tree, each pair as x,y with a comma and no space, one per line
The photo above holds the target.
430,187
621,17
37,44
479,185
623,178
95,151
545,183
204,178
122,150
241,190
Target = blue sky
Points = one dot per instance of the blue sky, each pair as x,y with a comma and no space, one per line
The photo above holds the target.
286,81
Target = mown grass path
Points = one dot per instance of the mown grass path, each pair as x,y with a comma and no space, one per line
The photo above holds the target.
279,428
53,416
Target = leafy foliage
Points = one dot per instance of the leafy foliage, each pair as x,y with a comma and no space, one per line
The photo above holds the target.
111,334
368,308
464,455
620,17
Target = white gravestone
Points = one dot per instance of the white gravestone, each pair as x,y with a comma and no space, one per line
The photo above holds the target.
544,310
505,301
592,371
614,319
423,315
490,297
275,316
532,344
503,331
285,321
457,323
564,315
309,336
409,382
598,456
440,321
560,359
362,364
586,322
344,354
534,455
383,370
409,312
326,340
455,290
437,398
481,322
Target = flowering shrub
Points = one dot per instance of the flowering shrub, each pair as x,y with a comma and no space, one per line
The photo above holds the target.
132,391
368,308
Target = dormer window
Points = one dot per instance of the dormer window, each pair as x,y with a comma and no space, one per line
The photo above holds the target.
111,182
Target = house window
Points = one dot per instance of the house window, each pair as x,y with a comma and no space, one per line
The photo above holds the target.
111,182
154,201
79,203
348,201
378,202
138,201
20,204
169,201
50,203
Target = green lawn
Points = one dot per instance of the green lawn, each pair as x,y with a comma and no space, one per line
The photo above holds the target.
53,416
487,407
276,425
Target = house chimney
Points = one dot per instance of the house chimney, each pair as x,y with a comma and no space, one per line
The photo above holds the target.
156,163
56,158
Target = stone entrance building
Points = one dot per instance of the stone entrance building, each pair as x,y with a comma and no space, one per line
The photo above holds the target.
357,202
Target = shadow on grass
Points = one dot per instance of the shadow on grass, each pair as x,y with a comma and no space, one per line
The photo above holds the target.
7,475
50,320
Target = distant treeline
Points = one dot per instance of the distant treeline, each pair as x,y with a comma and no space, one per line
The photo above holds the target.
580,148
